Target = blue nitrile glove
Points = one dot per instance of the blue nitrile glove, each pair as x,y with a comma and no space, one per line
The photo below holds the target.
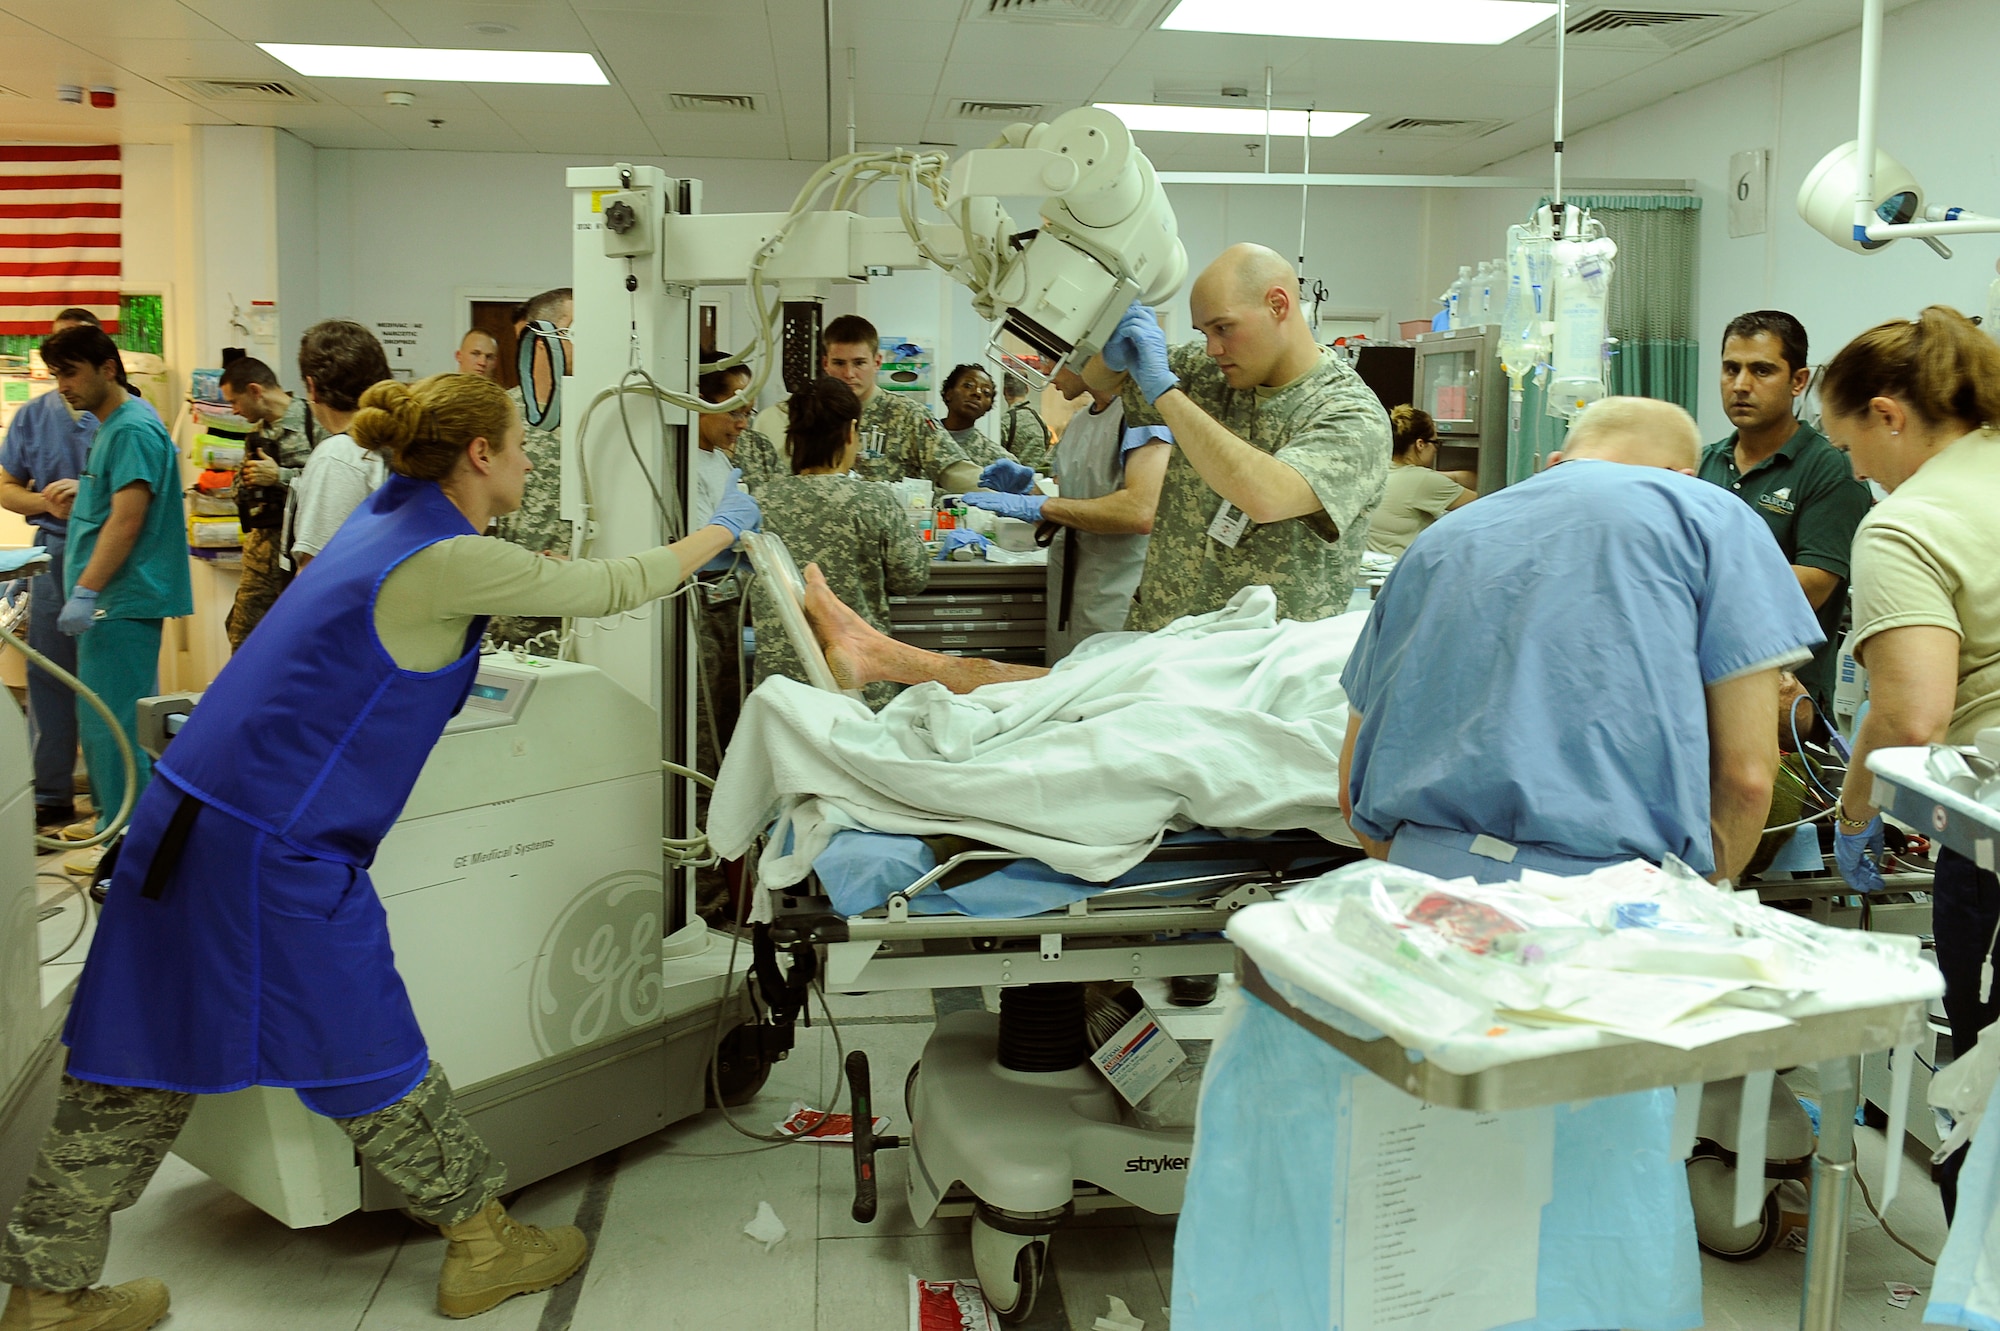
1008,477
77,615
957,538
1028,507
1859,855
737,512
1139,348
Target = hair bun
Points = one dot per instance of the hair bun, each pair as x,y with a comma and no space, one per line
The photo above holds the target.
389,420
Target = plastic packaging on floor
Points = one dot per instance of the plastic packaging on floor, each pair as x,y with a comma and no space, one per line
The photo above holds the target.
1474,975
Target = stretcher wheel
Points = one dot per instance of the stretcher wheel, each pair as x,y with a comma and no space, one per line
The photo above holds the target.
1011,1269
1712,1190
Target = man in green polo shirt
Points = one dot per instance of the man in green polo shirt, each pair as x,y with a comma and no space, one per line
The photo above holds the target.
1786,470
127,564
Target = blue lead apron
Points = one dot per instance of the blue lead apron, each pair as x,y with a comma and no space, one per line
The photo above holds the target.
241,942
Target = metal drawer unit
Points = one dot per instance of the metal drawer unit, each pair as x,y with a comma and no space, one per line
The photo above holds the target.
977,609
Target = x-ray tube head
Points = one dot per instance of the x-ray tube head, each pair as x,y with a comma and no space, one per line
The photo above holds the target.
1104,242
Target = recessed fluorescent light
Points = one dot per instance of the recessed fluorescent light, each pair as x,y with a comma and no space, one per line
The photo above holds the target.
403,63
1237,120
1458,22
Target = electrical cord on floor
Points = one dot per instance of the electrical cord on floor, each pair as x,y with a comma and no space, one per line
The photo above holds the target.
83,920
1866,1197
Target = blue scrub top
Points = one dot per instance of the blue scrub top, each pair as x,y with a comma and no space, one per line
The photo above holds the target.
46,443
133,447
1535,667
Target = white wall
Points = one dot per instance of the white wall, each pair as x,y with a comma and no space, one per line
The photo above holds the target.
398,234
1800,106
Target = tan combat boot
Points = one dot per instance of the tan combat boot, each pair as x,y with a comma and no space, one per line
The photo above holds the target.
132,1306
493,1257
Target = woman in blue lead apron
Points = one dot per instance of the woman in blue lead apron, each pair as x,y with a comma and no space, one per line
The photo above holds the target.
241,942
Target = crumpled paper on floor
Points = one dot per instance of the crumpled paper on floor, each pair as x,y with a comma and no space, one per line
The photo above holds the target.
765,1227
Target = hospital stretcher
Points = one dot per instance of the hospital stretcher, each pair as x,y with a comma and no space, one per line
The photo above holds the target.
1009,1122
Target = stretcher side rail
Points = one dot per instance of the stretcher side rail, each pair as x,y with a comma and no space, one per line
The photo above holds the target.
1137,908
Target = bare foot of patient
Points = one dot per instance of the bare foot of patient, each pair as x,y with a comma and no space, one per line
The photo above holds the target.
848,640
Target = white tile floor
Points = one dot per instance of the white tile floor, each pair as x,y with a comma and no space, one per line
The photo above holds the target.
670,1253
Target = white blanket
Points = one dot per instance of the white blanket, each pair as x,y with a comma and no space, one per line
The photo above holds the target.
1231,720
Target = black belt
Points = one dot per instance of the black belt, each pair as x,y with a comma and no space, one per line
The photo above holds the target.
173,844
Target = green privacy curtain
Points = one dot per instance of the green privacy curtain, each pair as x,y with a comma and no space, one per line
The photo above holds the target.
1651,314
1652,292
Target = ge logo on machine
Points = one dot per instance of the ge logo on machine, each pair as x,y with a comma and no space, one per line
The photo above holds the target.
598,972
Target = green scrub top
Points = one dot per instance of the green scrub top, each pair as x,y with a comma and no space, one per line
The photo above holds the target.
133,447
1806,493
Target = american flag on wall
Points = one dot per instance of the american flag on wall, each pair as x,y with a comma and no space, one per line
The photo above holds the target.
60,234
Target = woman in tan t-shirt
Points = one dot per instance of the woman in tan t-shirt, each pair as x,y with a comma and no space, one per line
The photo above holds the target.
1914,403
1417,495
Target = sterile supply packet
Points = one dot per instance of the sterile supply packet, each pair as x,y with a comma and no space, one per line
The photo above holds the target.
819,1126
950,1305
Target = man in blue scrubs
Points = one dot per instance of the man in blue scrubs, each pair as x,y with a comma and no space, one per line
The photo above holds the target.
1577,671
126,570
40,460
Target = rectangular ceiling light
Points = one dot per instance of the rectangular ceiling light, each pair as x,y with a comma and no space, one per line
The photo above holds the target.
1235,120
406,64
1456,22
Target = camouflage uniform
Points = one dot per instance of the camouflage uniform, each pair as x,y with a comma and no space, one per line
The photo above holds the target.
287,444
759,460
976,447
1329,427
858,535
1025,435
107,1141
899,438
536,525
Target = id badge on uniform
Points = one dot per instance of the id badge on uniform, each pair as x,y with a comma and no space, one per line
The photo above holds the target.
1229,525
871,445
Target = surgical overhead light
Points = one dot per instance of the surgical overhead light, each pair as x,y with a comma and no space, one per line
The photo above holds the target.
1859,197
1453,22
1828,196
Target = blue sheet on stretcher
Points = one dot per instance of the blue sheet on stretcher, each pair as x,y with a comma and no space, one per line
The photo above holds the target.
859,871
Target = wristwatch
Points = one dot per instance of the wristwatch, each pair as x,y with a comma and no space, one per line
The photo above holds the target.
1852,824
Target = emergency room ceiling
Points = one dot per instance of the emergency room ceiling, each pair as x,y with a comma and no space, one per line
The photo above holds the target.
917,63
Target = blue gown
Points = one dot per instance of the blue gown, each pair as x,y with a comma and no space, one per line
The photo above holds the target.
256,951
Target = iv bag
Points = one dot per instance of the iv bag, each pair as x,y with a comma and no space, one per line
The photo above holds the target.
1581,305
1524,342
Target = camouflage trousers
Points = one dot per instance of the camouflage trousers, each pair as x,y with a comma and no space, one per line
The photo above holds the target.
720,654
258,591
107,1141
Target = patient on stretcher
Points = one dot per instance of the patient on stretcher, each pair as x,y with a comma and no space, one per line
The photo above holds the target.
1230,721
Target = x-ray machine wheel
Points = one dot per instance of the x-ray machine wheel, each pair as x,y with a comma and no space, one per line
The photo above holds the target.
1010,1267
910,1094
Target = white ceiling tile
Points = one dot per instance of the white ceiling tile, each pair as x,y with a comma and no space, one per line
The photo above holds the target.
79,19
358,22
538,26
616,135
461,131
166,59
